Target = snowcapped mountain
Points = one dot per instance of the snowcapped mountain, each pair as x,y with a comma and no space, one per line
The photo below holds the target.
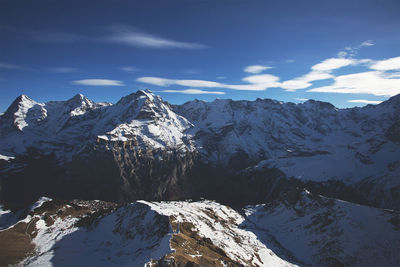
65,127
299,230
300,184
313,141
143,148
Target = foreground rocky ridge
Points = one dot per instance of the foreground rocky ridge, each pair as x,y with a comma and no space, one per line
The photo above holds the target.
299,229
237,152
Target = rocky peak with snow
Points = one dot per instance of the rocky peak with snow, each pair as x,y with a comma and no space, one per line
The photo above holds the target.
140,116
79,104
175,144
15,116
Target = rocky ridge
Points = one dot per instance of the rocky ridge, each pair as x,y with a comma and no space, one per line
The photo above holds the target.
299,229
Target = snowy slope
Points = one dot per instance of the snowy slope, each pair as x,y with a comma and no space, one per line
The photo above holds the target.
130,236
221,225
311,141
312,231
268,129
322,231
83,233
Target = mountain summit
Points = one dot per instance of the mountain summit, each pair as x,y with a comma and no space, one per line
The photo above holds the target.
153,150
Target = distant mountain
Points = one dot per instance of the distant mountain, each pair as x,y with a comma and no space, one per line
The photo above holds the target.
144,148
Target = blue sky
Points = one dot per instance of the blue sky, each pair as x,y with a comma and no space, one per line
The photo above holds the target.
343,52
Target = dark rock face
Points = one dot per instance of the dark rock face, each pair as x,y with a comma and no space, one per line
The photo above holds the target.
393,133
125,174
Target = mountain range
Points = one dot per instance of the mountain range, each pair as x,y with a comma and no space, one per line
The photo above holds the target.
299,184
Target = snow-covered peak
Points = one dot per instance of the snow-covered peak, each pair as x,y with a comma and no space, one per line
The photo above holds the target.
318,105
79,104
146,118
144,95
16,116
22,102
78,99
141,117
257,130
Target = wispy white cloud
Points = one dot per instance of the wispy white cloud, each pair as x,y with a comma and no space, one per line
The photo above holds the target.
367,43
301,99
4,65
333,63
256,68
129,69
342,54
190,71
320,71
370,82
189,83
364,101
62,69
99,82
123,34
351,51
387,64
383,80
262,81
119,34
254,82
305,80
194,92
289,60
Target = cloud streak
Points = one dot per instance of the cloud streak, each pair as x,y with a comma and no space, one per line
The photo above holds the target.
254,83
382,78
320,71
255,69
99,82
369,82
332,64
118,34
62,70
351,51
4,65
129,69
305,80
194,92
387,64
364,101
131,37
301,99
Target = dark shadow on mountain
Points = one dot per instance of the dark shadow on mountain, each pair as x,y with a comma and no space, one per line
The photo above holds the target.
125,174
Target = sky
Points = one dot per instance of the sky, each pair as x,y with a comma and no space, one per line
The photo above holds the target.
343,52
